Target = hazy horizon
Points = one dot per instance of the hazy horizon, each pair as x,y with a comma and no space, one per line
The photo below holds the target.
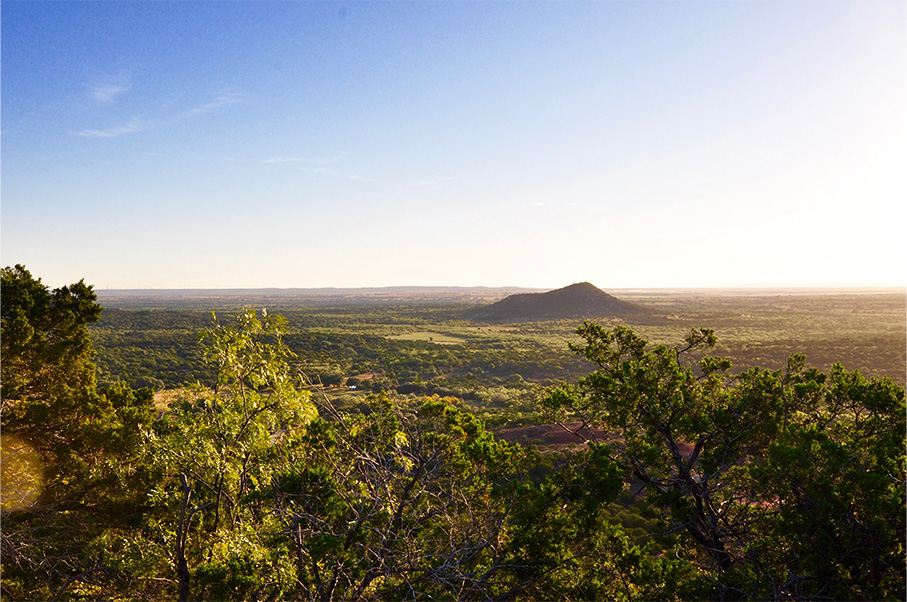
516,288
228,145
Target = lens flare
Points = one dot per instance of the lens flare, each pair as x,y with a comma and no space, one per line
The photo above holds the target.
21,474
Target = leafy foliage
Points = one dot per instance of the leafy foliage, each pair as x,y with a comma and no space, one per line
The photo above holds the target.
45,345
211,454
786,483
81,438
693,482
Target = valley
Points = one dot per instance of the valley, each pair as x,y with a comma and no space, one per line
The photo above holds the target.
425,342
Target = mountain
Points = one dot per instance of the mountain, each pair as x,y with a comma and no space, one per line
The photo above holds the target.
581,300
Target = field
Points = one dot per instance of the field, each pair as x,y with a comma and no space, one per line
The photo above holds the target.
420,343
863,330
437,338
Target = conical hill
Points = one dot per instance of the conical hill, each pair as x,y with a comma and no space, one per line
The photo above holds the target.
581,300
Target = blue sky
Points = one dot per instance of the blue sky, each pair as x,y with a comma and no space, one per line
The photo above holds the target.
309,144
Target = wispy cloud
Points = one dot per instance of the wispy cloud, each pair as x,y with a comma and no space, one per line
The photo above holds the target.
283,160
308,161
434,181
325,166
319,165
107,88
339,174
225,99
360,178
107,94
130,128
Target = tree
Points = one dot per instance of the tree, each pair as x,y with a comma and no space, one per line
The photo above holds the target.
727,458
401,503
257,498
46,347
835,479
212,452
420,501
568,530
79,440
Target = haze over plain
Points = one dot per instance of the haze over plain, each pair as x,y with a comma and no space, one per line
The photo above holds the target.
645,144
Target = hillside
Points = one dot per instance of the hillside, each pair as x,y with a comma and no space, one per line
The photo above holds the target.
581,300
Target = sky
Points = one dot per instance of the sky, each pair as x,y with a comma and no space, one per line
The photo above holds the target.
537,144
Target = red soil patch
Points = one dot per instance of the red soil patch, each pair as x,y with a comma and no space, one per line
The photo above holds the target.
551,435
